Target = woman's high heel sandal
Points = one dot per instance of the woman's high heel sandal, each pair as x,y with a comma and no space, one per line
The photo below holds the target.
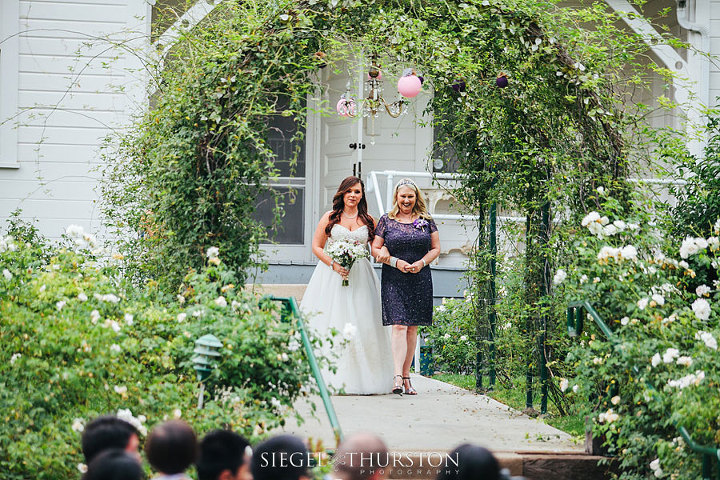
397,387
409,390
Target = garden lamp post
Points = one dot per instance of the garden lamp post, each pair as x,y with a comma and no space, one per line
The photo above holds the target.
207,353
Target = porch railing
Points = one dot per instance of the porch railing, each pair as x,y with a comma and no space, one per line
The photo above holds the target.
575,324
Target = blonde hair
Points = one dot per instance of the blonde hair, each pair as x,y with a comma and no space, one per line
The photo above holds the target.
419,209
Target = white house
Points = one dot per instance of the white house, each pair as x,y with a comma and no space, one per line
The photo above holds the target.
69,76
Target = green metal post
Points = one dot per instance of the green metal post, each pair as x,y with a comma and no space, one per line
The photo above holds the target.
491,294
545,218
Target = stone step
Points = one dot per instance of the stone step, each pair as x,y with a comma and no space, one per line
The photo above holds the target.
531,465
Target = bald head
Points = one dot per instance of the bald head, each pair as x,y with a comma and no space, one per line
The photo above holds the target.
360,457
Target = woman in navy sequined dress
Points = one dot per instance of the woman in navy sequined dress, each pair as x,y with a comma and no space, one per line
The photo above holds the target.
406,241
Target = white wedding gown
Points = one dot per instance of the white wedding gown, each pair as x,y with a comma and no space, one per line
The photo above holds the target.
364,363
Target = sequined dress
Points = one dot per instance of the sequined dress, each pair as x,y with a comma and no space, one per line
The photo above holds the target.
364,362
407,298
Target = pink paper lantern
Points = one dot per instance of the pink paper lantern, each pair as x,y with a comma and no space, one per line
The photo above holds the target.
409,86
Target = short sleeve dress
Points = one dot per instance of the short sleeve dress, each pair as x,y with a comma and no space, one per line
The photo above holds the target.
407,298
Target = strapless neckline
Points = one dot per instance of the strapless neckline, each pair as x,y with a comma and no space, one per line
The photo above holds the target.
351,231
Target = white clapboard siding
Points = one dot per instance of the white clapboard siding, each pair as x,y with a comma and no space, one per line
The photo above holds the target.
714,25
75,86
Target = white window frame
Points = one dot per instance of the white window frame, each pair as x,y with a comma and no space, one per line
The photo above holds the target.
9,72
302,253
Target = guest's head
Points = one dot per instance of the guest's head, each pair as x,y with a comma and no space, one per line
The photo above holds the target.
171,447
223,455
109,431
362,456
114,464
408,199
284,457
470,462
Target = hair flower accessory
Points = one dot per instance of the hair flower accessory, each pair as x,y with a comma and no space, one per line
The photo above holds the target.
420,223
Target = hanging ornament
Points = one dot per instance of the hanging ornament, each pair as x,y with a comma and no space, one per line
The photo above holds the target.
409,85
501,80
459,85
346,106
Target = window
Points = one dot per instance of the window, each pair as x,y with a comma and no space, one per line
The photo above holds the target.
9,28
291,185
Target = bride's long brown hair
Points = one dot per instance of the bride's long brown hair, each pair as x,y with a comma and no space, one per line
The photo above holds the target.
339,206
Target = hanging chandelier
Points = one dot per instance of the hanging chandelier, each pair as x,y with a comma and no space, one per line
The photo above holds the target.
409,85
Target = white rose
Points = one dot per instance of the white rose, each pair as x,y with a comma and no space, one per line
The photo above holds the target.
628,252
78,425
702,291
564,384
685,361
707,339
670,354
655,360
701,307
659,299
610,230
590,218
559,277
642,303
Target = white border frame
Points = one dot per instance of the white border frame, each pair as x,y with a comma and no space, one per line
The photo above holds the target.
9,73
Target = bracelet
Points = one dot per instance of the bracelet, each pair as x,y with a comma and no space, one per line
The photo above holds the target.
424,262
332,263
393,262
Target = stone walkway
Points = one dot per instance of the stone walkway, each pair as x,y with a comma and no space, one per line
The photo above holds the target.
438,419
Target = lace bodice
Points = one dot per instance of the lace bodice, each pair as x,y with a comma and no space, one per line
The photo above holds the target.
340,232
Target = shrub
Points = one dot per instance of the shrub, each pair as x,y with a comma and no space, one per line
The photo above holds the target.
698,204
78,343
661,368
452,336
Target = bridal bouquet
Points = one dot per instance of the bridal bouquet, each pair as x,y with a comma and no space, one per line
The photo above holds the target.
346,253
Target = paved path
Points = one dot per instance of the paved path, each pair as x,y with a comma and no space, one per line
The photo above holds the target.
438,419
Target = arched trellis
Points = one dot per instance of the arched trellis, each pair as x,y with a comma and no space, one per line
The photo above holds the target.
539,146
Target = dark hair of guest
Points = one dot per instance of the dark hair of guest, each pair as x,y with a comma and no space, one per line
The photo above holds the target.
220,450
473,463
339,205
104,432
171,447
114,464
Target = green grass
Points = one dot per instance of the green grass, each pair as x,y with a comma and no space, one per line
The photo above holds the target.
572,423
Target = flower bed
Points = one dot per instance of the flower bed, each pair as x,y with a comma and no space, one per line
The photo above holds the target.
78,342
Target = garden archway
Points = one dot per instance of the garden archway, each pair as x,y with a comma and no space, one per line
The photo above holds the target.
193,165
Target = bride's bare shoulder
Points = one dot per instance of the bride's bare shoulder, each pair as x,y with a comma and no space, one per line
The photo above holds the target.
325,219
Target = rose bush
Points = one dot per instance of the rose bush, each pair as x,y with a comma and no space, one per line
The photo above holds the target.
660,368
78,342
452,336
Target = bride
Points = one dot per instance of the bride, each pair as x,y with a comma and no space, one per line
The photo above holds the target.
363,362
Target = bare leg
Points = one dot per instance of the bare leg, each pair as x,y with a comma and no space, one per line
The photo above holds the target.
399,350
410,342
